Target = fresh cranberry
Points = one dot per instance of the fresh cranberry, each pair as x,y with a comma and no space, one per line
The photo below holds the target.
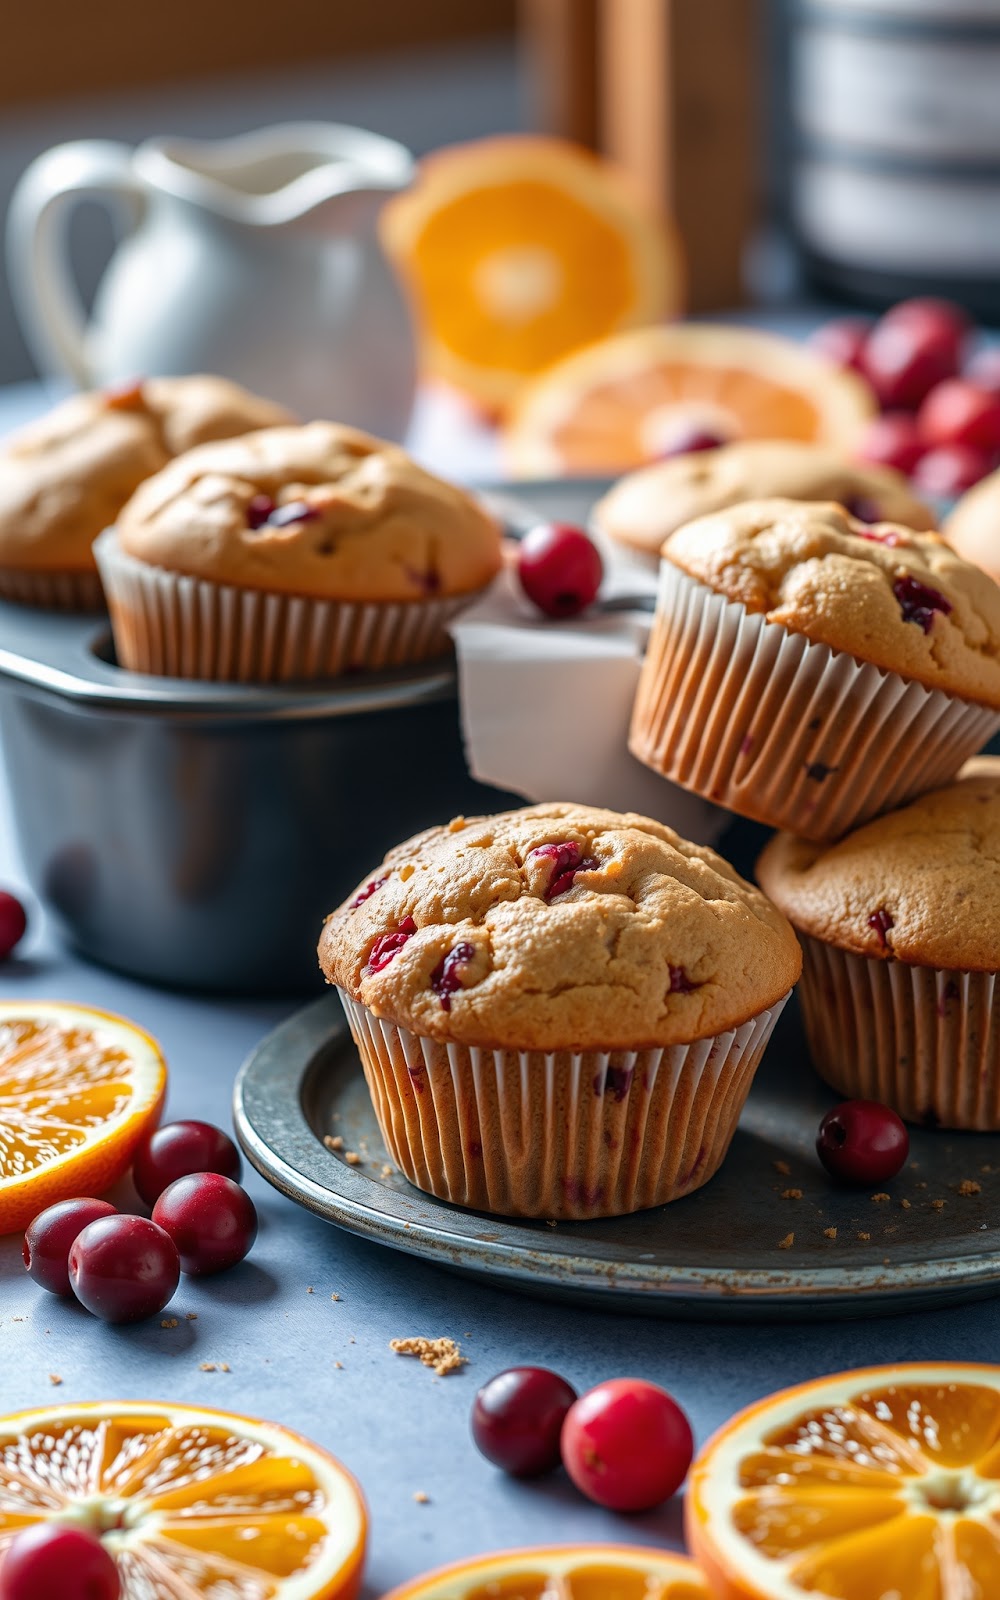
560,568
627,1445
984,371
211,1220
905,358
51,1561
123,1269
935,318
388,945
13,924
367,892
843,341
957,412
178,1149
445,979
950,470
50,1236
517,1420
862,1141
918,601
567,860
688,438
892,440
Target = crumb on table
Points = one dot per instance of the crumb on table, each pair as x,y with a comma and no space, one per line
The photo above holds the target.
791,1194
55,1379
969,1186
442,1355
864,1237
169,1322
421,1498
938,1205
787,1242
352,1158
830,1233
881,1199
333,1141
783,1168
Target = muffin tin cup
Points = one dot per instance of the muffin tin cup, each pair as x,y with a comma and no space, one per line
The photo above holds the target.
561,1134
793,734
53,591
923,1040
183,627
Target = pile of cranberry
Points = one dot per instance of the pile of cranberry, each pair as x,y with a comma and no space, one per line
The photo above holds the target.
940,421
125,1268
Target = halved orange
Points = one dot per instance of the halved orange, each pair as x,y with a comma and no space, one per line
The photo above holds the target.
189,1503
874,1485
568,1572
78,1089
619,403
520,249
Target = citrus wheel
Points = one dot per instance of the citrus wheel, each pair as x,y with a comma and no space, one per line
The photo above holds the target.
78,1089
188,1503
875,1485
563,1572
619,403
520,249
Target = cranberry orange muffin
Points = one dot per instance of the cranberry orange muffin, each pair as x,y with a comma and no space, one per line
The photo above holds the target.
973,527
646,507
810,670
559,1010
292,553
900,924
65,478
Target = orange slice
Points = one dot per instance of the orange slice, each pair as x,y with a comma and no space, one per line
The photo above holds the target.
189,1503
617,404
521,249
572,1572
864,1486
78,1089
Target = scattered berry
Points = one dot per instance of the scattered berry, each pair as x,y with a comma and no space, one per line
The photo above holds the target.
892,440
210,1219
51,1559
959,412
627,1445
50,1236
939,320
687,438
950,470
560,569
863,1142
13,923
905,357
984,371
123,1269
843,341
517,1420
178,1149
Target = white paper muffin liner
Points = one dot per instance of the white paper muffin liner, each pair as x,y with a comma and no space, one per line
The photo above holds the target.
182,627
794,734
923,1040
52,591
557,1134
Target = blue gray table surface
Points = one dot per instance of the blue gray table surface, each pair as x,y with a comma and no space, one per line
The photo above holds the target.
402,1431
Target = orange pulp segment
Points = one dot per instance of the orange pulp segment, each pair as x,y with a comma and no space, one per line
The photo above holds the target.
572,1572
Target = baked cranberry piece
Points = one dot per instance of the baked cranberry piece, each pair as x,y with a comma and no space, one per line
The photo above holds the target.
263,512
687,439
567,860
445,979
881,921
367,892
388,945
918,601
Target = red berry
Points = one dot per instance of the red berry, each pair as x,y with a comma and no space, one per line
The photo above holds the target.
904,358
984,371
49,1238
517,1420
862,1141
51,1561
560,568
950,470
843,341
687,438
178,1149
957,412
627,1445
892,440
13,923
211,1220
936,319
123,1269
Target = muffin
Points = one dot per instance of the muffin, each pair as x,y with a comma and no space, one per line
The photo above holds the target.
973,528
900,925
292,553
559,1010
647,506
809,670
65,478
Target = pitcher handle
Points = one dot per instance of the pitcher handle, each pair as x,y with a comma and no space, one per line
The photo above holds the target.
44,293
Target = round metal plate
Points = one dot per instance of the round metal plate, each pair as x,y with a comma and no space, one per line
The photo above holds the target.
769,1237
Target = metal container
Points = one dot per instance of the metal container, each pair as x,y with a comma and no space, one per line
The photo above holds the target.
195,834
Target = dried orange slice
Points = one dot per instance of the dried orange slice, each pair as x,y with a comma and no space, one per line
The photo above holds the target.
618,404
189,1503
864,1486
573,1572
520,249
78,1089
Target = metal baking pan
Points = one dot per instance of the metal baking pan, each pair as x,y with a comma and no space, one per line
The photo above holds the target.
196,834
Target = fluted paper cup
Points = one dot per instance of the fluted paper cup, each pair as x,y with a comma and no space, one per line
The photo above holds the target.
559,1135
923,1040
52,591
182,627
788,732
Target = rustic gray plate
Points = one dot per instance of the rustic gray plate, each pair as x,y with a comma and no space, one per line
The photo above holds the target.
754,1243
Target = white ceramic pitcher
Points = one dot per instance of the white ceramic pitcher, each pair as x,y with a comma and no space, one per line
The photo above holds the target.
255,257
